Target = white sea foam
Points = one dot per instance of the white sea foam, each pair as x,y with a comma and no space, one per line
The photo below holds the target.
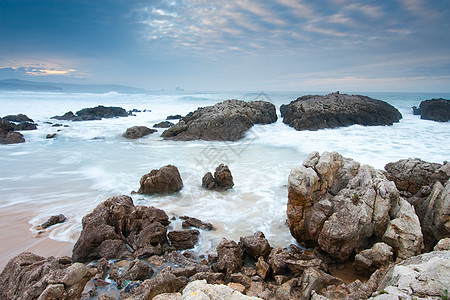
90,161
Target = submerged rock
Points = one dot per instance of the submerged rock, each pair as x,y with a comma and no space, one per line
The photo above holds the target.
315,112
94,113
434,109
224,121
29,276
339,205
222,180
137,132
53,220
194,222
165,180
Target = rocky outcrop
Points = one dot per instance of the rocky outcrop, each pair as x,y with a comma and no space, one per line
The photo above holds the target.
136,132
183,239
426,186
256,245
341,206
118,229
164,124
94,113
165,180
370,260
8,135
426,276
224,121
222,179
434,109
21,122
313,112
29,276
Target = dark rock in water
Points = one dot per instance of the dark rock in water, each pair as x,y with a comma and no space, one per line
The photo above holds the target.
6,126
11,137
165,180
51,135
224,121
229,257
94,113
164,124
256,245
25,126
193,222
283,109
179,259
137,132
435,110
222,180
183,239
20,118
29,276
54,220
134,110
118,229
174,117
416,111
315,112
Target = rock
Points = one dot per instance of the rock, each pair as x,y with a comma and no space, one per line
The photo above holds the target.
51,135
222,180
277,261
193,222
180,260
443,245
283,109
435,110
338,205
165,180
315,280
25,126
229,257
426,276
199,289
416,111
262,268
136,271
165,124
256,245
183,239
53,220
174,117
137,132
94,113
118,229
370,260
169,296
210,277
315,112
285,291
29,276
20,122
20,118
11,137
224,121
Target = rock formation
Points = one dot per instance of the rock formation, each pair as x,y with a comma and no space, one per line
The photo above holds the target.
224,121
222,180
164,124
434,109
8,135
315,112
165,180
21,122
94,113
137,132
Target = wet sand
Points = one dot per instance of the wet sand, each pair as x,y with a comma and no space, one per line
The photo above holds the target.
16,237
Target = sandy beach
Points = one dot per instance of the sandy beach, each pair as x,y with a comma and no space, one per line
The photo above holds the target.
16,236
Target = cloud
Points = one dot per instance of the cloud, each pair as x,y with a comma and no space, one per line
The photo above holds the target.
39,68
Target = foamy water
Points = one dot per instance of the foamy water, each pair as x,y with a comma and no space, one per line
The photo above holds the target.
90,161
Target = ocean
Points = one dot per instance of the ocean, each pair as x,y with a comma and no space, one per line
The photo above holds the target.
90,161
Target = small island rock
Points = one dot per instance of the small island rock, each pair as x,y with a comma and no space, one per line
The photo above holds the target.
137,132
165,180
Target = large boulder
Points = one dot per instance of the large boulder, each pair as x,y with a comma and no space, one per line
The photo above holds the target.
224,121
341,206
256,245
29,276
118,229
313,112
184,239
93,113
165,180
426,276
137,132
200,289
229,257
434,109
7,133
370,260
222,179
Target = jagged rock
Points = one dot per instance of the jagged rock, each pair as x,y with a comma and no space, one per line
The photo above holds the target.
277,261
51,135
370,260
174,117
20,118
425,276
200,289
229,256
94,113
262,268
256,245
210,277
338,205
194,222
21,122
435,110
183,239
164,124
137,132
165,180
11,137
443,245
29,276
136,271
224,121
179,259
53,220
222,179
118,229
315,280
313,112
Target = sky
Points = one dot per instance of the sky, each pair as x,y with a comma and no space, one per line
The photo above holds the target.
233,45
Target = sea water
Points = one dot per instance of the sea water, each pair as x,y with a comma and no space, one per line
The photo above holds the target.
90,161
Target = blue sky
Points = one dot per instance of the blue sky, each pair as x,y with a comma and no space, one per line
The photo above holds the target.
303,45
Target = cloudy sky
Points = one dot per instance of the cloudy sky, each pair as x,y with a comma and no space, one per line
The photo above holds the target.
301,45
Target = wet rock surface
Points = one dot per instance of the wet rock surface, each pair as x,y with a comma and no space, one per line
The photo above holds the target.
434,109
94,113
53,220
8,135
224,121
194,222
313,112
165,180
137,132
21,122
164,124
222,179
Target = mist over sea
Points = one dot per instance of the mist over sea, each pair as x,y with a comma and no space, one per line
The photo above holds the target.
90,161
